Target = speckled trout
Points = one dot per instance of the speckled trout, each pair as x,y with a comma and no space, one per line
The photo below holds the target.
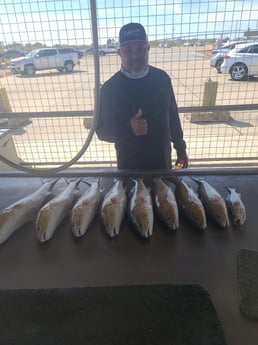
236,206
213,202
22,211
52,213
190,205
113,208
85,210
165,204
140,209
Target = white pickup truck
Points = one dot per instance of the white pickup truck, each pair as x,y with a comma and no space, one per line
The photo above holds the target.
42,59
109,49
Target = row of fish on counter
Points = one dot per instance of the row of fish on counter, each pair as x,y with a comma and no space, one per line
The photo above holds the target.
141,203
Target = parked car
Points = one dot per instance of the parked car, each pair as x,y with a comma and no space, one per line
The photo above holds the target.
217,55
109,49
200,44
188,44
88,51
42,59
242,61
73,50
165,45
11,54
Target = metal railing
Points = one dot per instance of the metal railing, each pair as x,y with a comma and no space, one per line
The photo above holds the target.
51,120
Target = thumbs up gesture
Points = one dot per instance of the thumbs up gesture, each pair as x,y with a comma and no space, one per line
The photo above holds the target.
139,124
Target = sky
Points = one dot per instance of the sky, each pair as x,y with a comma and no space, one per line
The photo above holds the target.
69,21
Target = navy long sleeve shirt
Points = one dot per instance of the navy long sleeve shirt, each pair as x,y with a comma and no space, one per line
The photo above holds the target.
120,99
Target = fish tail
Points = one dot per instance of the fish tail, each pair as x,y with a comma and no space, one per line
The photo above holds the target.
196,180
80,179
66,180
174,179
54,181
229,188
86,182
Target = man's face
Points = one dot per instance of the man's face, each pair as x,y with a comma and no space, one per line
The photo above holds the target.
134,56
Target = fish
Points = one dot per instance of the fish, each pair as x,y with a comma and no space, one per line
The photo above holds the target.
236,206
190,204
165,204
53,212
85,209
20,212
140,209
113,208
213,202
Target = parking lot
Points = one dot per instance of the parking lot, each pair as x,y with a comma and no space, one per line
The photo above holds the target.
189,68
58,140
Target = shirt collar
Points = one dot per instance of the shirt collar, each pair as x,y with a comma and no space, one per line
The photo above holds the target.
134,76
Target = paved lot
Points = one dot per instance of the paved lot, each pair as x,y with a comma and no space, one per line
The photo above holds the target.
60,139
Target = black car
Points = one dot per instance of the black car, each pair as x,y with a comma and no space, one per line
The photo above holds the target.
12,54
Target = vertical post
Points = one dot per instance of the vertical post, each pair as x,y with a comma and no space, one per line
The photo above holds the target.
5,106
96,62
209,100
210,93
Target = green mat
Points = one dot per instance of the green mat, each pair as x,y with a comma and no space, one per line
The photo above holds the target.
121,315
248,283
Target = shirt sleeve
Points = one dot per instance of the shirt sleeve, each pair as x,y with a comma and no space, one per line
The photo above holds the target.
175,126
111,126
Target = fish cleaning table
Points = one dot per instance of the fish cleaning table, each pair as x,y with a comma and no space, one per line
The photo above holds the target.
185,256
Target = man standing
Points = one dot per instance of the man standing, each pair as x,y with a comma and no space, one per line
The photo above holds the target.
138,110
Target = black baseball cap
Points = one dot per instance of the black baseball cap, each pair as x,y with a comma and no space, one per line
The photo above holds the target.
132,32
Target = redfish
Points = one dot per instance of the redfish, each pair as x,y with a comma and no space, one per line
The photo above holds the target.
113,208
52,213
85,209
213,202
236,206
141,209
165,204
190,205
22,211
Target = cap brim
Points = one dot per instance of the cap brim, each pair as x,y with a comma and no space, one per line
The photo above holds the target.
130,41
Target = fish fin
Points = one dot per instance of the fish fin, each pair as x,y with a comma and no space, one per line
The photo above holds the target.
131,187
124,184
90,179
66,180
86,182
174,179
198,180
80,179
229,188
54,182
195,179
98,179
116,178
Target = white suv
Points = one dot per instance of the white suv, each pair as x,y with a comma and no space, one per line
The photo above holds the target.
217,55
242,61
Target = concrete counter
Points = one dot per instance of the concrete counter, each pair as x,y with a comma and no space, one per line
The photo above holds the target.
185,256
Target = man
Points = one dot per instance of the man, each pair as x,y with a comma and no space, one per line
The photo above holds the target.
138,110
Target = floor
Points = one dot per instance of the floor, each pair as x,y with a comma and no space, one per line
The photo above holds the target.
184,256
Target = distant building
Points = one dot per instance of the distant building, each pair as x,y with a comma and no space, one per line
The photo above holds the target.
251,34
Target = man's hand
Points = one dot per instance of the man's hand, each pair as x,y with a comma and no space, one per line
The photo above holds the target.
139,124
182,161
